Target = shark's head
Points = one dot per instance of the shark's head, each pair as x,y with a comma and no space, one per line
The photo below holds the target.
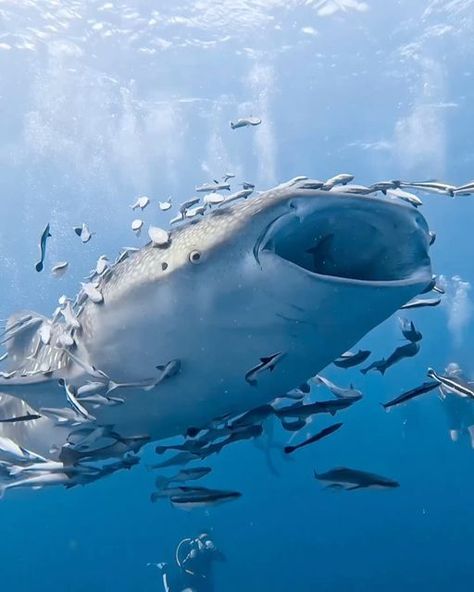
295,236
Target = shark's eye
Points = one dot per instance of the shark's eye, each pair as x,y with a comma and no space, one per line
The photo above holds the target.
194,257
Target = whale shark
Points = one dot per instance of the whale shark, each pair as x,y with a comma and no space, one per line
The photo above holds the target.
278,285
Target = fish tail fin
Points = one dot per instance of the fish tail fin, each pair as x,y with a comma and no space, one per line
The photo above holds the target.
232,125
384,407
364,371
289,449
316,474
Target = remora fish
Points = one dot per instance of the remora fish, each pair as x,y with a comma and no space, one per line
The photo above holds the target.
452,384
350,479
426,387
203,498
332,407
341,179
432,187
83,232
42,246
38,481
59,269
191,474
266,363
252,288
404,351
319,436
337,391
421,302
409,330
245,122
27,417
211,187
348,359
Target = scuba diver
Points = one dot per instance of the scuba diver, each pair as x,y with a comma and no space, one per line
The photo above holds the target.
194,571
459,410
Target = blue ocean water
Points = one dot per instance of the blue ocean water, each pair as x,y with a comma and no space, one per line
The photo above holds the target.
104,101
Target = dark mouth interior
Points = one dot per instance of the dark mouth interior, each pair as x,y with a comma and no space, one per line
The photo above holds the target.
352,244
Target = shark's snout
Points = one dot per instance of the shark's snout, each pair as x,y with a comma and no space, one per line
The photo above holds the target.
352,239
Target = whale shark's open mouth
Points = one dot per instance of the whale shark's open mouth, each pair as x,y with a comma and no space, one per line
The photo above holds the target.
366,240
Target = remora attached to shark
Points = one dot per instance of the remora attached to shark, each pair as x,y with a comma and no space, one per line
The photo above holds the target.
294,270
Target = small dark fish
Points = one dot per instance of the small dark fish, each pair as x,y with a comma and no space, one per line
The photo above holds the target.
248,186
266,363
237,195
349,359
409,331
42,245
426,387
337,391
350,479
322,434
421,302
187,446
377,365
166,492
181,458
210,187
27,417
404,351
245,122
332,407
252,417
246,433
168,370
211,449
384,185
191,474
452,384
83,232
203,498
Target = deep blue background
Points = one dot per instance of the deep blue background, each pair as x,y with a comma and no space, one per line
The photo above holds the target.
100,103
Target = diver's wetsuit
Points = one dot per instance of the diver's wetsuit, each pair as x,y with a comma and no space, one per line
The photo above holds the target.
459,410
196,573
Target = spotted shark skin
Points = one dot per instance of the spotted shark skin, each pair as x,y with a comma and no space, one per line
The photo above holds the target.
251,292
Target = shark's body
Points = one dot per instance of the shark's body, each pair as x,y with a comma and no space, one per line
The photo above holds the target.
242,283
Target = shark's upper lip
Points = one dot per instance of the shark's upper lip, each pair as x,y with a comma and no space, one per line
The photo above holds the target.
351,239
